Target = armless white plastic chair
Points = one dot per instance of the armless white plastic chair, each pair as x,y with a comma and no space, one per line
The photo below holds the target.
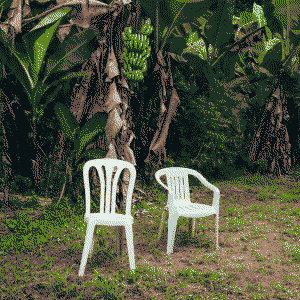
108,216
179,203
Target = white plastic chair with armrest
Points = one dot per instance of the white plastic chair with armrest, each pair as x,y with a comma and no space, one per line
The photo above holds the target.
179,203
107,215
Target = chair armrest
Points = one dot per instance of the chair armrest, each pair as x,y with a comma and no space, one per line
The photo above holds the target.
204,181
157,176
210,186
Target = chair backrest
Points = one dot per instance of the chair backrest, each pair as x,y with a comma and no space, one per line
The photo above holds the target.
108,188
177,180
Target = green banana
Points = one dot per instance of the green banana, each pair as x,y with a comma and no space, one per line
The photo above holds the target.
137,50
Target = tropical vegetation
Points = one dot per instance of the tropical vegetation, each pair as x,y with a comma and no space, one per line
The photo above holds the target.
211,85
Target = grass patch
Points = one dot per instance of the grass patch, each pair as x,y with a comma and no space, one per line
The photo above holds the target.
41,248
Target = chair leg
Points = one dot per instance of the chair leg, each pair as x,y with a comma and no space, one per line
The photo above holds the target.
129,238
192,223
217,230
87,247
172,223
92,248
161,224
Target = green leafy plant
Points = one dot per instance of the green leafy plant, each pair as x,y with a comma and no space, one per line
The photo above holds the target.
29,61
80,136
275,63
261,77
221,137
27,58
215,142
31,64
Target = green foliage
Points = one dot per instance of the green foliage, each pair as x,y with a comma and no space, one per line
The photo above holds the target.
213,139
80,136
204,127
206,124
222,141
110,289
67,120
29,54
21,184
26,61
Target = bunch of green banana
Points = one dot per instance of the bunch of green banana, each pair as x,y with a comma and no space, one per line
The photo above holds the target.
137,50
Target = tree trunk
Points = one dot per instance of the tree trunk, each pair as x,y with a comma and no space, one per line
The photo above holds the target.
157,109
111,96
59,162
8,178
293,128
271,141
23,151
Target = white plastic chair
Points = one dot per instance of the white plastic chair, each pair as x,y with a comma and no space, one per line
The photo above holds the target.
179,203
108,216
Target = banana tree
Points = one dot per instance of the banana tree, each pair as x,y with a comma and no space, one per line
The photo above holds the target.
285,80
75,50
202,54
191,33
26,60
166,18
274,62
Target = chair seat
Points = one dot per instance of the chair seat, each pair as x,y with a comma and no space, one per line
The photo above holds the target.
193,210
109,219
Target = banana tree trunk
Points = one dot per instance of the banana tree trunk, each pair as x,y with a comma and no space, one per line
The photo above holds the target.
271,141
110,96
157,109
25,150
4,158
7,171
113,96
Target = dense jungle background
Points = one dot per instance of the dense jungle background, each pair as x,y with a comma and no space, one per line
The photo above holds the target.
210,85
